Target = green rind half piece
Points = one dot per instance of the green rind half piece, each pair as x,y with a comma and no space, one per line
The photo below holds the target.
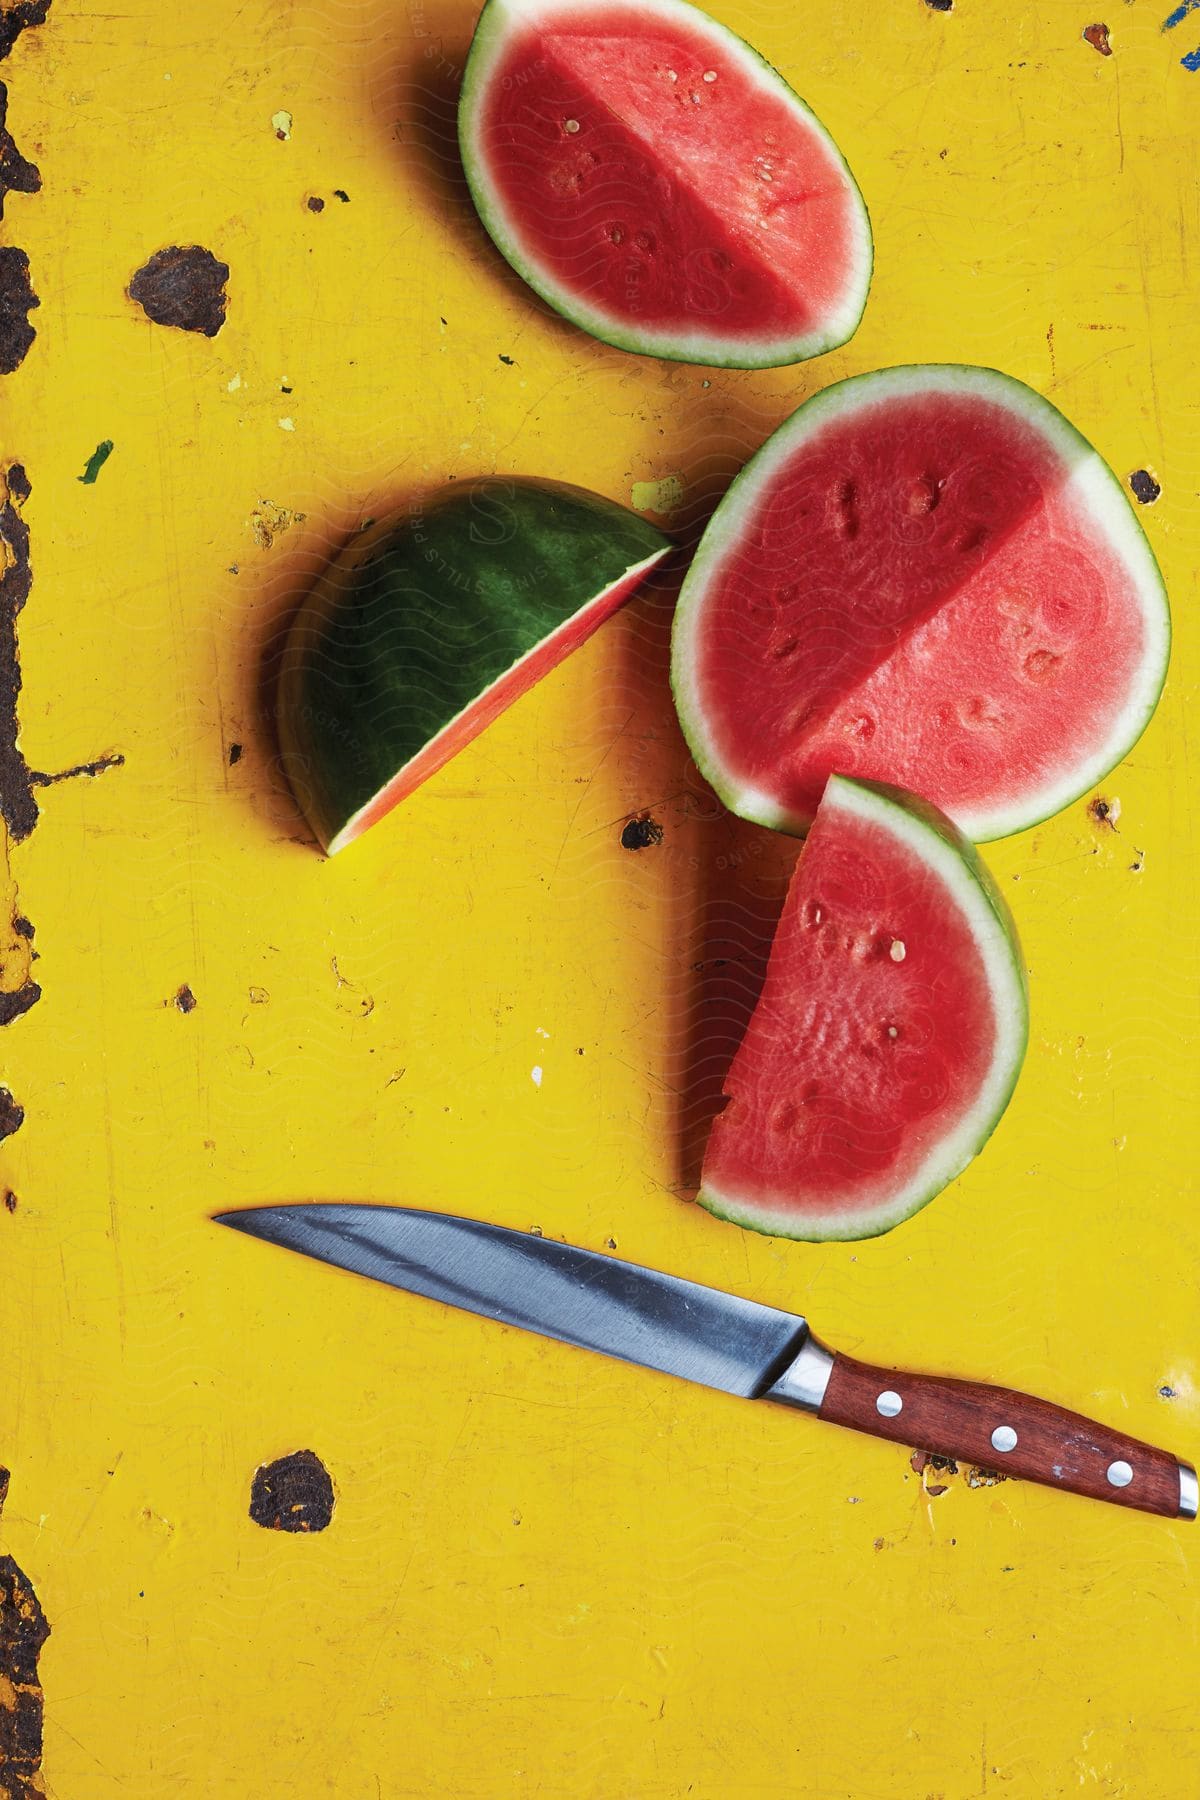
432,622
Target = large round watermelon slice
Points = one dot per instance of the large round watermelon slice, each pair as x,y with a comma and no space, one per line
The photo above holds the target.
926,576
658,183
889,1032
431,623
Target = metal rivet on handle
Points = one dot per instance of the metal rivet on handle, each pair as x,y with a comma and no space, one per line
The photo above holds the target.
889,1404
1004,1438
1119,1474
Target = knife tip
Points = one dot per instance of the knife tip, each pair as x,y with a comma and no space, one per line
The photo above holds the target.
239,1221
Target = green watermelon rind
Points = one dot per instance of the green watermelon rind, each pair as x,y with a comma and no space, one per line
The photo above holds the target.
967,880
564,551
1099,490
353,827
707,348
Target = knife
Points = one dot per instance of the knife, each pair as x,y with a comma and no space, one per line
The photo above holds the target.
740,1346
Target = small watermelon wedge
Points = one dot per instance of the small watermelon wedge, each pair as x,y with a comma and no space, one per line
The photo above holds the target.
655,181
927,577
432,622
889,1033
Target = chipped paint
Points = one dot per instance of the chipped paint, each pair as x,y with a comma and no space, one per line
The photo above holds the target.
293,1493
17,16
23,1632
660,497
183,287
17,301
269,521
281,125
12,1114
17,175
641,833
1097,37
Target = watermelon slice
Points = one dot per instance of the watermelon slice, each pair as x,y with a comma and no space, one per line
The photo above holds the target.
430,624
926,576
889,1032
658,183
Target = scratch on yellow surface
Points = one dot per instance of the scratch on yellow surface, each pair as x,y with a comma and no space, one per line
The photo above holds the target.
547,1575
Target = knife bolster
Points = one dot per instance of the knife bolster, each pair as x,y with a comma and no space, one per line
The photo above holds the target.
804,1381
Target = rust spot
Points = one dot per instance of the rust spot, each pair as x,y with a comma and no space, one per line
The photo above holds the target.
96,767
1145,487
294,1493
1097,37
641,832
315,203
23,1631
16,1001
183,286
16,17
940,5
1104,813
235,754
10,1201
342,195
184,999
984,1478
12,1114
17,176
18,990
17,300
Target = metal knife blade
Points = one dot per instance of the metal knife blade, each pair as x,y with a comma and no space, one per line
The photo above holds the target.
577,1296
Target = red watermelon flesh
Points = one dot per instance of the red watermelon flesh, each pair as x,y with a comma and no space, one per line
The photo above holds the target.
888,1034
655,180
938,584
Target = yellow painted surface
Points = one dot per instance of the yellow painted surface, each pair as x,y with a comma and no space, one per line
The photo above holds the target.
548,1575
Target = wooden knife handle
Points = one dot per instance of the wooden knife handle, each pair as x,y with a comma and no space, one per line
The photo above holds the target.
1010,1432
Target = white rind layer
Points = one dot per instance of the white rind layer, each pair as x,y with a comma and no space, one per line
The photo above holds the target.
966,887
499,19
1090,482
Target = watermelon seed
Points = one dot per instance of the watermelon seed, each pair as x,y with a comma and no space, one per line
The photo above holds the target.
1040,665
571,125
787,648
924,495
710,74
898,952
844,498
893,1031
671,75
972,538
616,234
